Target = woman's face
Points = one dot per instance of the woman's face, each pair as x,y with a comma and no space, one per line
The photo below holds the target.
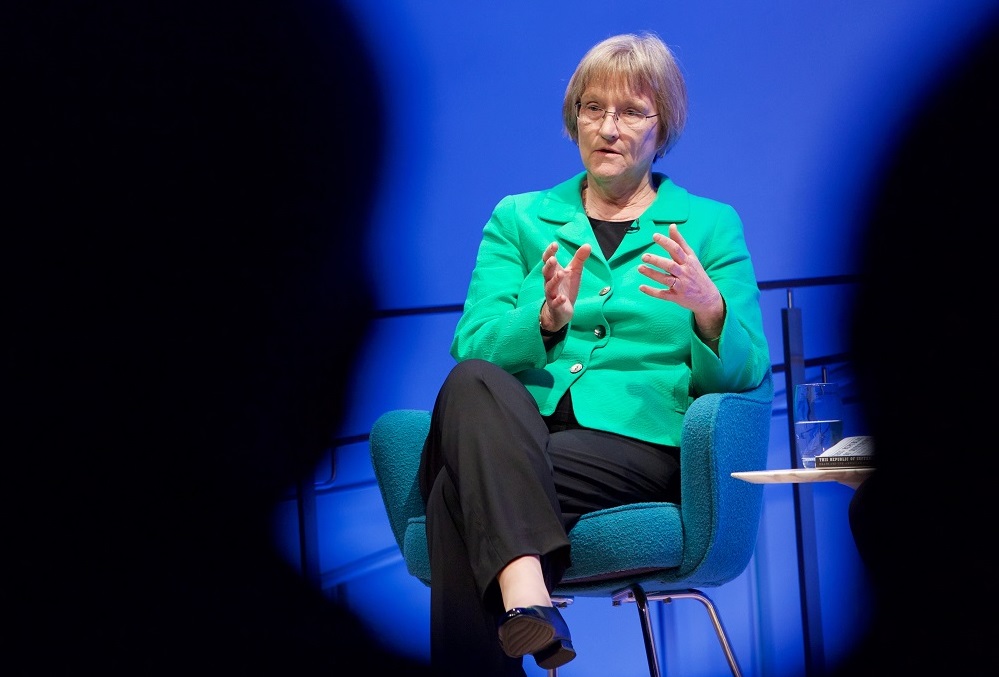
612,147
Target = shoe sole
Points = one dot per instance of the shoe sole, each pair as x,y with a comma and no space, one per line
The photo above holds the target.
525,635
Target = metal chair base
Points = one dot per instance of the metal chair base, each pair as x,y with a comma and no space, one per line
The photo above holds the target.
641,599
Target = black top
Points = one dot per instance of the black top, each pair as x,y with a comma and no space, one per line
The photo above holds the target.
611,233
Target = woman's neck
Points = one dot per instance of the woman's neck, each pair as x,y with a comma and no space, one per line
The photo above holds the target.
627,205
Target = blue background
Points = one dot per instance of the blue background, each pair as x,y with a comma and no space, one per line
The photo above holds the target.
794,106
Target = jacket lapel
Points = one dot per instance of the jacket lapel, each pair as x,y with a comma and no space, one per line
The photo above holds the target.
563,208
672,205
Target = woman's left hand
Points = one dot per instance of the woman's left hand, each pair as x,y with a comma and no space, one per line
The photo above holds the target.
684,280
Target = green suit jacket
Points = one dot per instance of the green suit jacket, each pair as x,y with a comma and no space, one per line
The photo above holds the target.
634,362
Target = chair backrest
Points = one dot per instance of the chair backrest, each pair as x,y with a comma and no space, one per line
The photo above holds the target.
396,442
707,540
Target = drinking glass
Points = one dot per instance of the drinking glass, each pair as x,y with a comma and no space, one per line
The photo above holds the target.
818,420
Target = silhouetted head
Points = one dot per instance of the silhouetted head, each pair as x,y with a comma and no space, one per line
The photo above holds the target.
191,183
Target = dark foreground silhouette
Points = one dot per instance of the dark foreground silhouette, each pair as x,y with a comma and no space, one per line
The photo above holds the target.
186,295
924,525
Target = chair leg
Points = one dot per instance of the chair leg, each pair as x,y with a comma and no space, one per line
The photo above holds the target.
642,603
641,599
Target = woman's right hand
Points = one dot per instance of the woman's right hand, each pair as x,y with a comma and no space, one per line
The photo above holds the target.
561,286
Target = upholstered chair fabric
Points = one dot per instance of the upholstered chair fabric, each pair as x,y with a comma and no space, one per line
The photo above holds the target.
705,541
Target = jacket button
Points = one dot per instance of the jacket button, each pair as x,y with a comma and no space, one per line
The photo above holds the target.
576,368
599,331
605,291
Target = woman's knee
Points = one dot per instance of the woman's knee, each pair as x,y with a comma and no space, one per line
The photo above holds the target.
470,376
486,390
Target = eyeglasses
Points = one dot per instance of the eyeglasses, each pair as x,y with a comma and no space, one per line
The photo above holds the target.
591,112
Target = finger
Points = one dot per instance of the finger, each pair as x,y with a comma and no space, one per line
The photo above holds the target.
555,307
656,275
665,263
655,292
549,251
548,268
673,248
674,234
666,243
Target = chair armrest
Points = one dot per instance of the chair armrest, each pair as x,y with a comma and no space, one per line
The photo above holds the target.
723,433
396,442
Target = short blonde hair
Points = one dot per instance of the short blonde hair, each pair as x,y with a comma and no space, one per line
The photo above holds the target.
643,63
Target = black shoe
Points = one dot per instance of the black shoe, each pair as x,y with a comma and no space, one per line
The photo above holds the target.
537,630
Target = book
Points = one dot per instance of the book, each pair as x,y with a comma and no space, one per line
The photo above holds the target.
850,452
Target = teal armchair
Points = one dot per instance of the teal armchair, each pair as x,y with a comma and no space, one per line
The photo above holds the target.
639,552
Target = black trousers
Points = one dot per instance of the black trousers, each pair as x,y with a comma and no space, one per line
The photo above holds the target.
501,481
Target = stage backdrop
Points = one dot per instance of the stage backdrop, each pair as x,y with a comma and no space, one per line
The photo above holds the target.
793,108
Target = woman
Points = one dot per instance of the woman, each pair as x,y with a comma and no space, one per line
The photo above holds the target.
597,311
